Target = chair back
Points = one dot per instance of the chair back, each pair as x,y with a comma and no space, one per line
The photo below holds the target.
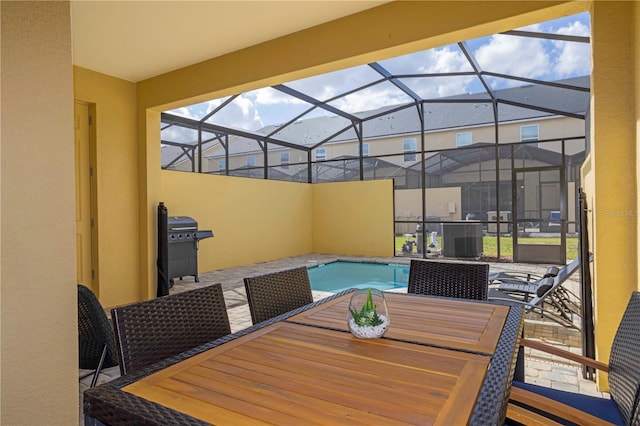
624,361
156,329
94,332
449,279
566,271
273,294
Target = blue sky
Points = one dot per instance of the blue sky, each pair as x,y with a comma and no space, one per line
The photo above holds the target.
519,56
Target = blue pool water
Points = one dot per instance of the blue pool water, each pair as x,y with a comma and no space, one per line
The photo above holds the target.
337,276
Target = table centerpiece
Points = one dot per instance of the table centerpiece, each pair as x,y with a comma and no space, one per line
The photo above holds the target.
368,317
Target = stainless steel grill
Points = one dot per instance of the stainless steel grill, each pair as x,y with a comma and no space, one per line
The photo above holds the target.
183,238
178,242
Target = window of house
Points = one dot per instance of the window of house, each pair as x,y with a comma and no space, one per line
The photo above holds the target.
529,133
321,154
284,160
409,149
222,164
251,161
365,149
463,139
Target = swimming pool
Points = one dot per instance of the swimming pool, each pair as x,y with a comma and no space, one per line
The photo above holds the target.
337,276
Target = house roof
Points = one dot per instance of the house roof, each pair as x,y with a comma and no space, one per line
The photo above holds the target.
455,112
450,160
346,168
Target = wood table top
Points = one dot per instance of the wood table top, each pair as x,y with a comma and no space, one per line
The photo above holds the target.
288,373
444,322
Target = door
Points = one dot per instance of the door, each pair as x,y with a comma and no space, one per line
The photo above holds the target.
83,171
540,217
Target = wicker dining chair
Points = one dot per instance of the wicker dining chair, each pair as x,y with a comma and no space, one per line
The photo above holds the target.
156,329
529,401
96,343
275,293
449,279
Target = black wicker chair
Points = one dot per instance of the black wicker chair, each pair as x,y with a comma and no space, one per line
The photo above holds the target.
156,329
449,279
273,294
96,344
529,401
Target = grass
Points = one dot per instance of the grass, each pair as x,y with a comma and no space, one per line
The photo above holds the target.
490,245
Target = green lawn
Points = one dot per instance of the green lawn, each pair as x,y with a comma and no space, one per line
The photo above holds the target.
490,245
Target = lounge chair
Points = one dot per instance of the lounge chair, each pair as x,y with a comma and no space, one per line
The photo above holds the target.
548,296
528,401
526,284
521,277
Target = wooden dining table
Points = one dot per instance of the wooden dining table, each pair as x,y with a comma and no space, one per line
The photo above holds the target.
442,361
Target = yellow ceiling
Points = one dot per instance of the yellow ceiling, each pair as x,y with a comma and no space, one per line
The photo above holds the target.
135,40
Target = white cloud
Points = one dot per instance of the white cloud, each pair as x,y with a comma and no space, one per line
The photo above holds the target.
329,85
241,113
179,134
519,56
438,87
445,60
572,59
371,98
567,58
438,60
269,96
575,28
442,60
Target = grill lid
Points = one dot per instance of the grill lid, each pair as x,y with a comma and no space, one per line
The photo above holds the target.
181,223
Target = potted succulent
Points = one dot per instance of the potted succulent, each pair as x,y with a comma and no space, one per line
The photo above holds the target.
368,317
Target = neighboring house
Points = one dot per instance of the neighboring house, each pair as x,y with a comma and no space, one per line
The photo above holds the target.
459,153
451,122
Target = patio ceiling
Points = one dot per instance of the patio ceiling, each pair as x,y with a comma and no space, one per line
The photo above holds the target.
541,70
137,40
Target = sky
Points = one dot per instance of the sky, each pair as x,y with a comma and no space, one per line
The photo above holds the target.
527,57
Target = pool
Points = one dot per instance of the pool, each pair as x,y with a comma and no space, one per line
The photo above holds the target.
337,276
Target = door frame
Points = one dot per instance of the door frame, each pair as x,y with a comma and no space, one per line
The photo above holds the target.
93,188
548,254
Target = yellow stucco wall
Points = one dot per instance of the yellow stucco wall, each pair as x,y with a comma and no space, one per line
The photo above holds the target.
353,218
256,220
636,97
253,220
39,343
611,172
636,71
116,176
